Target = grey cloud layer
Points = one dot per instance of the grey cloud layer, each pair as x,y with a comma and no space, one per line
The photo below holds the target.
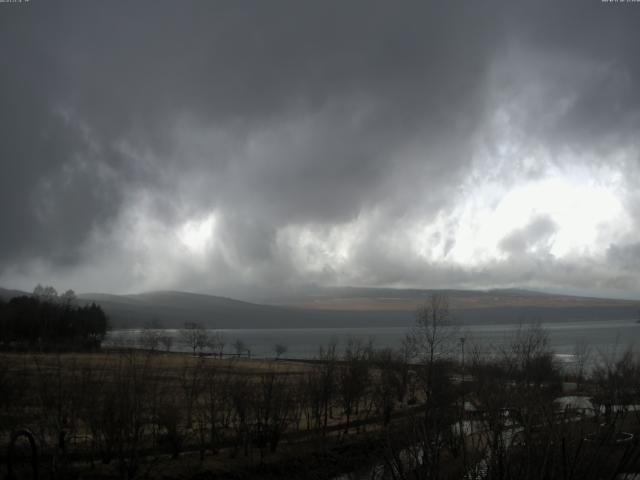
275,114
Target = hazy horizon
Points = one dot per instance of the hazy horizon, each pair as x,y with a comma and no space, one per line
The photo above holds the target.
298,294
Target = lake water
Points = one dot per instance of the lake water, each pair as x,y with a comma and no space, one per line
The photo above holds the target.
604,337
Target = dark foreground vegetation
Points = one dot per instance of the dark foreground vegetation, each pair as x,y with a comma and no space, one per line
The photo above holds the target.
46,321
438,408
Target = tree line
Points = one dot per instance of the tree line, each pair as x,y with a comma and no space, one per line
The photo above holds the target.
46,320
197,339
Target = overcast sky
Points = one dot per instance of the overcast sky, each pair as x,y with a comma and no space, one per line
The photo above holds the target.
246,148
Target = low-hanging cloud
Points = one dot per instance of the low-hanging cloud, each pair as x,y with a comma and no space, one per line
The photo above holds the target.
239,146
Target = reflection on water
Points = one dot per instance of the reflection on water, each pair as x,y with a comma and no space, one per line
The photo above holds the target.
606,338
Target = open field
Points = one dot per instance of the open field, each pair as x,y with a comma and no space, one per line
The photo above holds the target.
125,414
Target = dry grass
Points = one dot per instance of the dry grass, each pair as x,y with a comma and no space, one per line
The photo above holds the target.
467,300
159,361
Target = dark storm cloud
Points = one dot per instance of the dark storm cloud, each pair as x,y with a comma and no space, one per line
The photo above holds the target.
274,114
587,70
82,78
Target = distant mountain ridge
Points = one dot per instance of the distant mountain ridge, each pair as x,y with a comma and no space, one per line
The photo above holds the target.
359,298
332,307
6,294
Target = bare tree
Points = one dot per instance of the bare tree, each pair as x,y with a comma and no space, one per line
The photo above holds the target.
582,353
166,341
192,379
217,344
195,336
46,294
432,342
240,347
214,405
353,378
326,373
616,384
150,336
239,397
433,336
57,389
532,382
69,299
122,411
272,407
389,388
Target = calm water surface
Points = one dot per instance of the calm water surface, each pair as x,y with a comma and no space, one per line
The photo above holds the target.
605,337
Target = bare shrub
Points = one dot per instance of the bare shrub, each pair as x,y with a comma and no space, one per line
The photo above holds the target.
194,336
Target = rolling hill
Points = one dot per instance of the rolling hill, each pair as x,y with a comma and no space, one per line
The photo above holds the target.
348,307
353,298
